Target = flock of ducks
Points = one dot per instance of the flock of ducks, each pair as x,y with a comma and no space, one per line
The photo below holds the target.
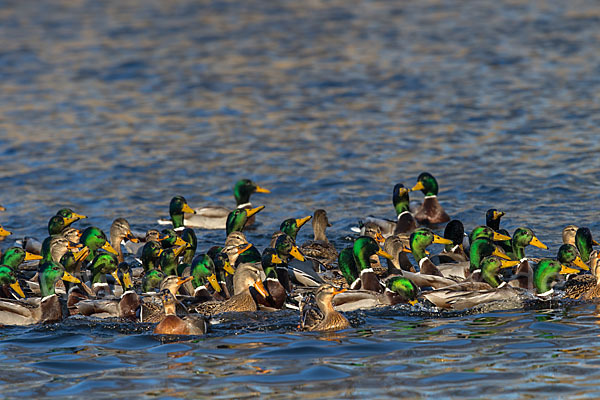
171,284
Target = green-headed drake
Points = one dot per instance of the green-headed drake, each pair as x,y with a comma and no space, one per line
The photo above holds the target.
492,218
324,317
94,239
455,252
8,279
546,273
169,259
584,243
290,227
47,308
490,268
15,256
419,240
102,265
295,267
431,211
355,265
238,219
320,248
151,280
277,293
398,290
523,237
150,255
203,274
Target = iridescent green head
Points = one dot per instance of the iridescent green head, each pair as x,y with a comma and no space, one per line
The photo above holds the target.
102,264
51,272
291,226
177,207
169,259
492,218
203,272
170,238
403,287
568,255
546,273
152,280
269,262
150,254
56,224
421,238
286,248
483,231
584,242
491,265
222,265
347,265
69,215
95,239
9,277
189,236
14,256
244,188
523,237
236,220
364,247
249,254
480,249
400,198
427,184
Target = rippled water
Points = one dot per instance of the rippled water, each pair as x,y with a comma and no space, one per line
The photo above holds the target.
113,107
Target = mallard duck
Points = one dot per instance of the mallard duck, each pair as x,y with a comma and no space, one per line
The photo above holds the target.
320,248
135,248
94,239
546,274
61,220
224,272
521,238
431,211
150,255
238,218
48,308
454,231
124,307
104,264
169,259
419,240
8,279
120,232
355,265
15,256
152,280
247,283
151,309
584,243
398,246
398,290
203,274
325,318
234,242
584,286
4,233
174,325
568,234
300,271
404,222
492,218
276,292
290,227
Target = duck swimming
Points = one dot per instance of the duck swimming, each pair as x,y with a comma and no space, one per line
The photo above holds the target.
325,317
431,211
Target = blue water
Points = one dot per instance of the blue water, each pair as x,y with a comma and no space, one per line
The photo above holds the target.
113,107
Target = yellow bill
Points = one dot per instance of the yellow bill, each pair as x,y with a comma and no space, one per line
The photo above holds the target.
595,243
253,211
509,263
213,282
260,288
338,291
4,232
30,256
82,254
379,238
17,288
441,240
243,248
131,238
499,253
499,236
228,268
294,252
384,254
302,221
70,278
115,274
497,214
179,241
275,259
262,190
579,262
567,270
181,281
186,208
127,281
536,242
418,186
413,302
179,250
109,248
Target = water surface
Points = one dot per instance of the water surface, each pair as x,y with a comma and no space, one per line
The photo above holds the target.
113,107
